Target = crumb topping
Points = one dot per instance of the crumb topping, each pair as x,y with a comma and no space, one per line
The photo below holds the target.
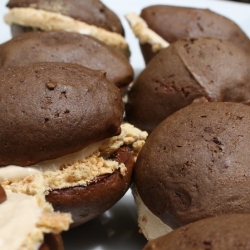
80,171
29,218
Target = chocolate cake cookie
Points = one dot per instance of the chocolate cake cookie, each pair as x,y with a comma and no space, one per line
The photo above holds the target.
68,47
174,22
195,165
3,196
220,233
186,70
61,136
85,17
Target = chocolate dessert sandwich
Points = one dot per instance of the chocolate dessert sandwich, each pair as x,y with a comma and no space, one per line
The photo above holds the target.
160,25
29,222
226,232
188,69
193,166
67,47
90,17
62,137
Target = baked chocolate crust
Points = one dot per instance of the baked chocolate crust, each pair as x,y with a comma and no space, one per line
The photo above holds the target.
54,109
52,242
66,47
195,164
3,196
186,70
220,233
87,202
92,12
180,22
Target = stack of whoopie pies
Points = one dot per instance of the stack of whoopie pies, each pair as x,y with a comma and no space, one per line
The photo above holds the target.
193,98
68,153
62,141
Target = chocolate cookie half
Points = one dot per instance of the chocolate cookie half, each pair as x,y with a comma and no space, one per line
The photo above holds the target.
186,70
172,23
195,165
85,17
221,233
62,137
66,47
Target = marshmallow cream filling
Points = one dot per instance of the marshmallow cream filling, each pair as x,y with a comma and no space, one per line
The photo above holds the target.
150,225
49,21
144,33
24,219
80,168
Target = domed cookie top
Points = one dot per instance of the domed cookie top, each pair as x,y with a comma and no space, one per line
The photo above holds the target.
66,47
195,164
53,109
186,70
220,233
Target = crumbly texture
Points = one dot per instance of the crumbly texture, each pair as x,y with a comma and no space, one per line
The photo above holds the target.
220,233
174,22
48,222
195,164
83,171
54,109
146,35
92,12
188,69
66,47
49,21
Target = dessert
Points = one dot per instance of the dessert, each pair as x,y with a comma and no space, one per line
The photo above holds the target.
172,23
85,17
194,165
188,69
222,232
61,137
32,222
66,47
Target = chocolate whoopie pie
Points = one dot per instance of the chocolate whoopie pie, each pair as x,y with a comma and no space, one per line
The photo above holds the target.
174,22
68,47
226,232
61,136
186,70
89,17
194,165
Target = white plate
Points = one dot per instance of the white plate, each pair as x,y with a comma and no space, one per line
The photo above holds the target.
117,228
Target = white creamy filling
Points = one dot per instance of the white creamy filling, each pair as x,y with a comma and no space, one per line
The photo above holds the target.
16,173
145,34
49,21
79,168
151,226
18,217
